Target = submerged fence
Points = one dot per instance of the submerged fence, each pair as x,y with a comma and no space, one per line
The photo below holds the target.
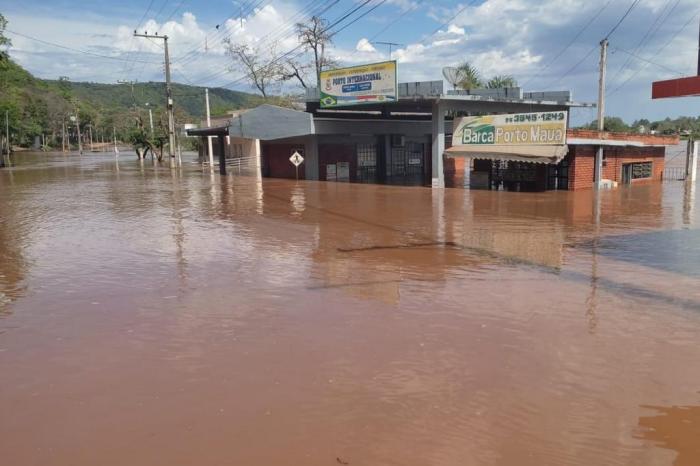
674,174
239,165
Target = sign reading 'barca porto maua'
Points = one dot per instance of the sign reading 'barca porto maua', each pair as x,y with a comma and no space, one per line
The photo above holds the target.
537,128
357,85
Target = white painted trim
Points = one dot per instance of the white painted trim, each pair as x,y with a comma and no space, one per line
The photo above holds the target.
608,142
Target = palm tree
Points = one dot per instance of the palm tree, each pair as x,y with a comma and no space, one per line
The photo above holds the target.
471,77
501,81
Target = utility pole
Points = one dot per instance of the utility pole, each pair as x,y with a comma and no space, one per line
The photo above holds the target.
114,136
209,138
168,95
150,119
601,111
77,126
7,131
63,134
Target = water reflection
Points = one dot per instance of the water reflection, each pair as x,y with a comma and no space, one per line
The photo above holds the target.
376,324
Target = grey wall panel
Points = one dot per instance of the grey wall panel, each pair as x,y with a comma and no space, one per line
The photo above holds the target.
268,122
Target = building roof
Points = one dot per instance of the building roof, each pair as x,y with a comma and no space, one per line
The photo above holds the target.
607,138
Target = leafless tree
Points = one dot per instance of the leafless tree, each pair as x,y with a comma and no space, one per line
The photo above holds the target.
294,69
260,71
314,37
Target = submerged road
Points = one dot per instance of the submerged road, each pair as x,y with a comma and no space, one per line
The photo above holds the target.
151,316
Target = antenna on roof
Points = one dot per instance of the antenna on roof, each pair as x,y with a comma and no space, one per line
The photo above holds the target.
453,75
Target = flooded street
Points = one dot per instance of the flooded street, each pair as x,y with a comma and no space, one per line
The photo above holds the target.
151,316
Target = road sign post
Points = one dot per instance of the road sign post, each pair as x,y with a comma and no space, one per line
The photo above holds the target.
296,160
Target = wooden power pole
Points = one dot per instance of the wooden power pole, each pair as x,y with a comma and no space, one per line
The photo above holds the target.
168,95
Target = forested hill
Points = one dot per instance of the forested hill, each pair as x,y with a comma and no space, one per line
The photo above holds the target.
38,106
189,99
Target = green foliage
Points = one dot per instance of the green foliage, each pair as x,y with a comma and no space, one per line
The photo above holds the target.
614,124
501,81
471,77
39,106
685,126
4,41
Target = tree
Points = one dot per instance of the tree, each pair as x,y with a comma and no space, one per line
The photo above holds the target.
612,124
314,37
259,72
4,41
500,81
293,69
471,77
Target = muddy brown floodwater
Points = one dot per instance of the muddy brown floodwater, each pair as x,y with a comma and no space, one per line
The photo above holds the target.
157,317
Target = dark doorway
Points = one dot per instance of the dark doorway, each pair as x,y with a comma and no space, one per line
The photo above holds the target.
627,173
407,164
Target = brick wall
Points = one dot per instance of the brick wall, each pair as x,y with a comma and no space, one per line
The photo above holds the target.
582,163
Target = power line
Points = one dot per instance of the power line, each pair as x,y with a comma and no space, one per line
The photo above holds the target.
344,16
216,74
651,31
336,22
585,57
85,52
634,55
396,20
663,47
188,58
629,10
195,49
571,42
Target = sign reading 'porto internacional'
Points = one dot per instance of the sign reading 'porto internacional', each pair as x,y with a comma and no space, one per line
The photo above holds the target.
357,85
541,128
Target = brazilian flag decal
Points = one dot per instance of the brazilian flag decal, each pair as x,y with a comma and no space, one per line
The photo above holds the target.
328,100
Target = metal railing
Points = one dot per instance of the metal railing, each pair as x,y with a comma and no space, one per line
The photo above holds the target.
674,174
236,163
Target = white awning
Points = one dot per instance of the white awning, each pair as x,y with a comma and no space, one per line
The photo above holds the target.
513,153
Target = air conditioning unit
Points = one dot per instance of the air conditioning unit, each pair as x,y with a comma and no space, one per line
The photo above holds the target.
398,140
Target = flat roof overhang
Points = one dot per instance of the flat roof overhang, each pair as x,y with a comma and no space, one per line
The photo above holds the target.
211,131
679,87
425,104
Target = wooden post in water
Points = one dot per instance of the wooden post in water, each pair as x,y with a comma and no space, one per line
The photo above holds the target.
7,132
77,126
63,134
222,154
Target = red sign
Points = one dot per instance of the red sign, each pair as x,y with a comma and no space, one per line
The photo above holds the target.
680,87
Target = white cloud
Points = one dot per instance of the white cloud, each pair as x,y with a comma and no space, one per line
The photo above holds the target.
364,45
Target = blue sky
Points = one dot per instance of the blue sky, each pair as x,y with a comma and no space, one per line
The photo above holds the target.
525,38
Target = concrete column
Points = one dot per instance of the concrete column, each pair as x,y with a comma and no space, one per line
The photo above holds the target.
691,164
311,161
438,122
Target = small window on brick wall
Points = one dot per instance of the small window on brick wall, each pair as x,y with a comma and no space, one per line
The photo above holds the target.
641,170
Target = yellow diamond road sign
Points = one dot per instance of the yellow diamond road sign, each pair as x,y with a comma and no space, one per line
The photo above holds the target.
296,159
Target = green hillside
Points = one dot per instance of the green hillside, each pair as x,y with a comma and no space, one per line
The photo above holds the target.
38,106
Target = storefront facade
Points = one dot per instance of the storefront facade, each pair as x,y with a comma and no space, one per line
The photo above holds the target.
396,143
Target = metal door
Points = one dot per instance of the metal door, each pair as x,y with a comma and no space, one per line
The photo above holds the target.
407,164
